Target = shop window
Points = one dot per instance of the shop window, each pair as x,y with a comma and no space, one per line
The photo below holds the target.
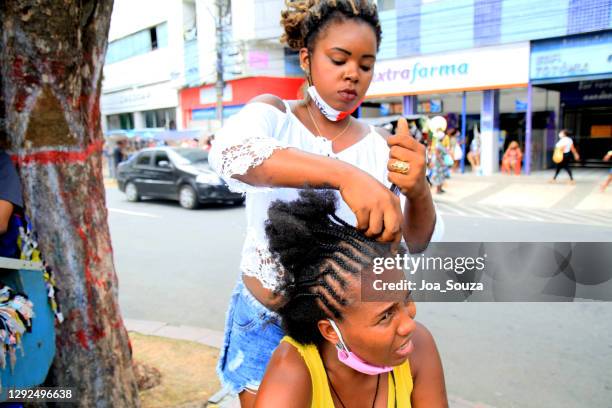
137,43
120,121
160,118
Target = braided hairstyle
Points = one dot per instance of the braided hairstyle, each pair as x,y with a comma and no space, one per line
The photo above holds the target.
321,256
303,20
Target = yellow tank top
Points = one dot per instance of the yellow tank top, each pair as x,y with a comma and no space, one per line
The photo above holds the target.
321,394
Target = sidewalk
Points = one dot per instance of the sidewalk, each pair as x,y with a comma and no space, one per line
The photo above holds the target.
532,191
212,338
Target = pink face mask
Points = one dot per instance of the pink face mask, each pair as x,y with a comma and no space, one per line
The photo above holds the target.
351,360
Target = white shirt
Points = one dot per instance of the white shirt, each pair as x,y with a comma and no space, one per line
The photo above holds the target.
565,143
250,137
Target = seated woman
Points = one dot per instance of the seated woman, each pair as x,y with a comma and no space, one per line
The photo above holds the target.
342,351
11,203
511,162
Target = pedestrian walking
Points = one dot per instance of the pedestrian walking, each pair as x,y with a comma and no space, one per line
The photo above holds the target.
273,147
118,155
440,160
562,155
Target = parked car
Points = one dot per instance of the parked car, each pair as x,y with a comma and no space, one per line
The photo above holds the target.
176,173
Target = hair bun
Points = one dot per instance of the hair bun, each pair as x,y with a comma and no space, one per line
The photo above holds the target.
292,20
302,20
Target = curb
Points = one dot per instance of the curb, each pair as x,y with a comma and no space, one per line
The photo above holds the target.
207,337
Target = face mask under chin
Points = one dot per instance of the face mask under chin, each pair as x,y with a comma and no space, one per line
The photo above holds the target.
329,112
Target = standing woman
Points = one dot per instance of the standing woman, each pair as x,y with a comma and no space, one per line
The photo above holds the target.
566,145
473,155
455,148
273,148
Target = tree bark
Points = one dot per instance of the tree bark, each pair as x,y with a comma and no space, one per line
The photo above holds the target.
51,58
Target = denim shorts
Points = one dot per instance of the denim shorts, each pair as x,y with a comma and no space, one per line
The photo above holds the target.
252,332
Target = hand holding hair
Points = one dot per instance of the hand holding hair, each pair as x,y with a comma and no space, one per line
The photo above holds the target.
377,209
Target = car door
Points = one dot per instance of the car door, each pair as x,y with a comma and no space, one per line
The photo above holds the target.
163,176
142,173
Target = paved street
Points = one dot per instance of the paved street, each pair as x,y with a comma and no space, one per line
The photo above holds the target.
175,265
178,267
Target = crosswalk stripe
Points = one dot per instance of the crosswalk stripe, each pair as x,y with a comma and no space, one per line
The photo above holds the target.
579,217
498,212
477,212
561,216
450,208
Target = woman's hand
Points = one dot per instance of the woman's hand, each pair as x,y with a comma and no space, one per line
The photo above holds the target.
407,162
377,209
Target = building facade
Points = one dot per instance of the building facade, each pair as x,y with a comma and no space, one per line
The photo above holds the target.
254,62
144,65
516,69
513,69
163,52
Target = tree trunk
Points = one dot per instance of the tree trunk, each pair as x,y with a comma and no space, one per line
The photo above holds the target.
51,58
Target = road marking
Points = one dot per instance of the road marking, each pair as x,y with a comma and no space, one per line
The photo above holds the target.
556,216
138,214
446,208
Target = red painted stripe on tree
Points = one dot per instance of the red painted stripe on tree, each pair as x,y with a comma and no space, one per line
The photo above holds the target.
57,156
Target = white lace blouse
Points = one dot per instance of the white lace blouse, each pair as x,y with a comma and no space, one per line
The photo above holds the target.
249,138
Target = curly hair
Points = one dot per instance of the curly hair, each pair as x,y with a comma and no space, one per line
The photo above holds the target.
320,254
303,20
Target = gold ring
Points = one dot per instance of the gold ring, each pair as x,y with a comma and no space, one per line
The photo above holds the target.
400,167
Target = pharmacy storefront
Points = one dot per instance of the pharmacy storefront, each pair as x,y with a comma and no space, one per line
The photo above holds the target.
483,89
579,67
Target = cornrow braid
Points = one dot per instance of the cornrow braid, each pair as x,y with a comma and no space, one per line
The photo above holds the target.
320,255
355,239
304,20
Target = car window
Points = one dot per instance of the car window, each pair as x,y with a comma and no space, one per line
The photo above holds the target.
143,159
160,156
188,155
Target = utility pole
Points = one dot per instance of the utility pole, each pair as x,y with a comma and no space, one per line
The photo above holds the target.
219,66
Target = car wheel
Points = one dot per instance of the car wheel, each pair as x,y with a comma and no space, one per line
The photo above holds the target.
131,192
188,198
